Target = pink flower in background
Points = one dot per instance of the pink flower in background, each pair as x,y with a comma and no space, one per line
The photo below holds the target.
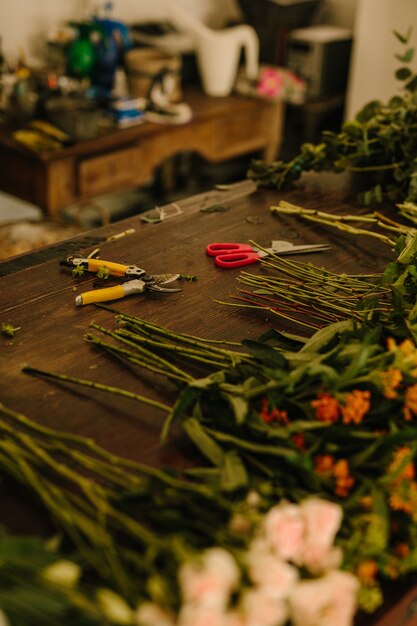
149,614
270,82
262,610
196,614
272,592
297,80
326,601
322,522
274,576
212,580
284,529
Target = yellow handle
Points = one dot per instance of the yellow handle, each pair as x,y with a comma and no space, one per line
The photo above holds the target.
101,295
115,269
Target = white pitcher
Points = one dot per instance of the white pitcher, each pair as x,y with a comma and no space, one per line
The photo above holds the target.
218,51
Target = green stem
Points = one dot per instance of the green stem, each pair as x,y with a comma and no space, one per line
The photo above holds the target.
101,387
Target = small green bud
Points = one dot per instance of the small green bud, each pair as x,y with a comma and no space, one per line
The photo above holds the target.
370,598
77,271
8,330
103,272
63,573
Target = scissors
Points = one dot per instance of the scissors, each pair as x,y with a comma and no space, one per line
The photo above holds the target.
229,255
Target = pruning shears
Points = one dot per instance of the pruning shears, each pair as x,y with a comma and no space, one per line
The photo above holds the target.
137,279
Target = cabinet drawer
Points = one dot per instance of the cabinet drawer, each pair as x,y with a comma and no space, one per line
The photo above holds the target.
109,171
241,132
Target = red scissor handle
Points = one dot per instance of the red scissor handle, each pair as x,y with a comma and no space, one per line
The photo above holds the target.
214,249
236,259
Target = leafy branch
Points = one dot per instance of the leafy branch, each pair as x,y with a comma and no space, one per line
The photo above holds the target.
381,139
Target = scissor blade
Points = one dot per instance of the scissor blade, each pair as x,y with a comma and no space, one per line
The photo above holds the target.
286,247
304,249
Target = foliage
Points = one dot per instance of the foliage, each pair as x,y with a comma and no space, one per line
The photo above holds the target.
381,141
144,548
39,585
289,417
312,297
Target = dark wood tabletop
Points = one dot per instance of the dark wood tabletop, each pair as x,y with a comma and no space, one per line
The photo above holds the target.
37,295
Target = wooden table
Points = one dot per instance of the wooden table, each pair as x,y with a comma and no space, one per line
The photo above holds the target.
221,128
37,295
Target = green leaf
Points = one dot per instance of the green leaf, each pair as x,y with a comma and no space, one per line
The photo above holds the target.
282,339
358,362
268,356
24,549
407,57
240,407
208,381
233,475
184,401
410,249
33,606
379,531
403,38
391,273
368,111
412,84
252,446
323,336
151,219
403,73
303,425
204,442
206,473
215,208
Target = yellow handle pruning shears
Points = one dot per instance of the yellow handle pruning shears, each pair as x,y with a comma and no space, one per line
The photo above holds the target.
139,280
111,293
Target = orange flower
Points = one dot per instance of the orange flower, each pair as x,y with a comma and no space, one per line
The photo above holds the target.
391,380
407,470
326,408
407,347
273,415
324,464
391,344
410,402
344,481
401,471
399,503
357,404
402,549
299,440
367,571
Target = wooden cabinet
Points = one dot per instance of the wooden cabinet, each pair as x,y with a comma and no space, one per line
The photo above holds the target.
221,128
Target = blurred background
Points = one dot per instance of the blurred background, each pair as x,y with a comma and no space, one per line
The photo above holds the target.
363,70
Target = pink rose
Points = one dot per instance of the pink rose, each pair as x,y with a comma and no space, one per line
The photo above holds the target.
196,614
322,522
212,580
284,529
274,576
149,614
328,601
319,559
262,610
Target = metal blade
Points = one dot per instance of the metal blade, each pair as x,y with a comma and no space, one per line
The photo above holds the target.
163,279
160,288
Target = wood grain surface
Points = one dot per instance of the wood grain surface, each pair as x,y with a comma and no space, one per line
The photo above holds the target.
37,295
